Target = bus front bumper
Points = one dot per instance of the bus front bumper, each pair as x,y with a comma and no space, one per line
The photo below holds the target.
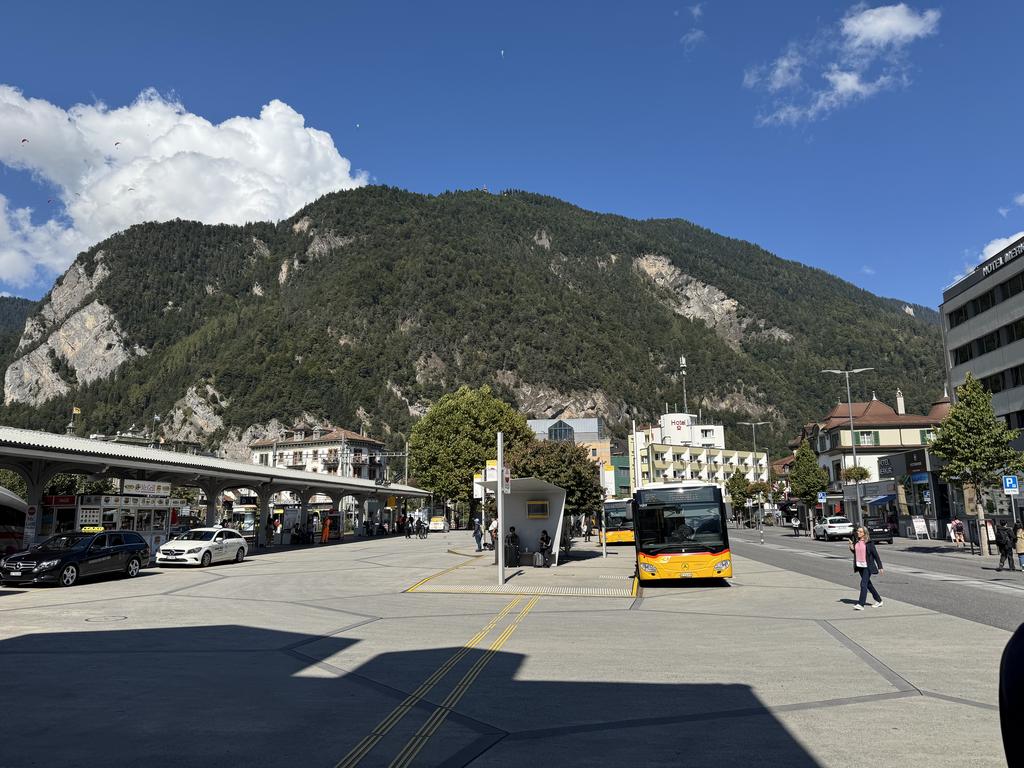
694,565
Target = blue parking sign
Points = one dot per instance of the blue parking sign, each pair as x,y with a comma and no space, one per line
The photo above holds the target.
821,497
1010,485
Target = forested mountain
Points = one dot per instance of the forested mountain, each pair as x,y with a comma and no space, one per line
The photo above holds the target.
369,304
13,311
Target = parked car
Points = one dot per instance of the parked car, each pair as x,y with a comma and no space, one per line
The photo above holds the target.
833,528
878,529
68,557
203,546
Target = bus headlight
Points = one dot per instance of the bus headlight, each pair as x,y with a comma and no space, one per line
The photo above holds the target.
648,568
721,565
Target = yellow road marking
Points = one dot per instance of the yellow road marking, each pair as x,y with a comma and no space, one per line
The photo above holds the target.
421,582
636,587
434,722
384,726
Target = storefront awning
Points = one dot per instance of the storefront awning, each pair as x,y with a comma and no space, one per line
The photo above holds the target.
879,500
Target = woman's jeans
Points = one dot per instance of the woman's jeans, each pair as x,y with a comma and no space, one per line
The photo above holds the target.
865,585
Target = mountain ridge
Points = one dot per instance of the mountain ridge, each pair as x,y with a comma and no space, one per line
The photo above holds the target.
366,305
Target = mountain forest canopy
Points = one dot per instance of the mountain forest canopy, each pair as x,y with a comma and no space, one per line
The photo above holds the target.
371,304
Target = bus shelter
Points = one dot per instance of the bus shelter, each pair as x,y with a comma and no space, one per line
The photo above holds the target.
532,506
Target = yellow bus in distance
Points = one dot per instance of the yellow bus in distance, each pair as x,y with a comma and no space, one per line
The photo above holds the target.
618,521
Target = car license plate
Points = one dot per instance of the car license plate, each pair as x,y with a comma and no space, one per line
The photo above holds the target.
14,573
685,575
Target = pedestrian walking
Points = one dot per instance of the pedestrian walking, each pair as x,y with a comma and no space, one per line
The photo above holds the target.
492,532
478,534
866,562
586,529
795,522
958,532
1018,544
1006,542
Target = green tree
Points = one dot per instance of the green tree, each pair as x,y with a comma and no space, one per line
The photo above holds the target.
975,444
567,466
12,482
457,436
856,474
806,477
738,488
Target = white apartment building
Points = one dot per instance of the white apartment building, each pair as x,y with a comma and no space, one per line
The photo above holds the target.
678,448
335,452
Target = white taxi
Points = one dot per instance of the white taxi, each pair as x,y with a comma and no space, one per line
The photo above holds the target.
203,546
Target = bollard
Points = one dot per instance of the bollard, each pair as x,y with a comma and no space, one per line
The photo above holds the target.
762,536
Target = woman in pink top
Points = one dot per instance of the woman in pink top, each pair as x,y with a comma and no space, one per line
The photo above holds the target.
866,562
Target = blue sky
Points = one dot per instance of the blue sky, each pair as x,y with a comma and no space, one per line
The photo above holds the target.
893,180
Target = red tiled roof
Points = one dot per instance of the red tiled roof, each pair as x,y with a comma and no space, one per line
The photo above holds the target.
874,413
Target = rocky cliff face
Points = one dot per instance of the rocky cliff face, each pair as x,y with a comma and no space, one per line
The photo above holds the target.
68,342
696,300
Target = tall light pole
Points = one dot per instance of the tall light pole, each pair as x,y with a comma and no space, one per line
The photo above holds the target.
853,438
753,428
682,372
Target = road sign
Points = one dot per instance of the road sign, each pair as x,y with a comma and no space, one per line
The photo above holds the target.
1011,487
822,496
506,480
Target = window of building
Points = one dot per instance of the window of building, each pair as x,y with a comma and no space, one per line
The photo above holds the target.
297,457
263,459
560,432
957,316
867,437
1015,330
927,435
987,343
707,433
315,454
994,383
593,452
963,354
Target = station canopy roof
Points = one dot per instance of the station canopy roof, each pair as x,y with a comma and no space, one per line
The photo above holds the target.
82,455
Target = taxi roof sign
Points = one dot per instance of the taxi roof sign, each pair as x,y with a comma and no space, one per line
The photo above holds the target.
92,529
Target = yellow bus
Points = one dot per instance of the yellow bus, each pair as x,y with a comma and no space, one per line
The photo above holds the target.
681,532
618,521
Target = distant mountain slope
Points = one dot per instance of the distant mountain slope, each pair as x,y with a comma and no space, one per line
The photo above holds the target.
368,305
13,312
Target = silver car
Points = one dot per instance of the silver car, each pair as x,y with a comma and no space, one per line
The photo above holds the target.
833,528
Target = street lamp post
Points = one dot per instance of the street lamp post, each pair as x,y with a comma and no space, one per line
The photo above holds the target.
753,428
853,438
682,372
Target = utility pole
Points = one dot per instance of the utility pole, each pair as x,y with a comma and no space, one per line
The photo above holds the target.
853,436
753,428
500,492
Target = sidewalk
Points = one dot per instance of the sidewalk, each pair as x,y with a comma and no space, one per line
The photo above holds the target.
899,544
584,573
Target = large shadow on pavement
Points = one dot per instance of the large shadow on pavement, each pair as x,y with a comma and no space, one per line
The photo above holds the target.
244,696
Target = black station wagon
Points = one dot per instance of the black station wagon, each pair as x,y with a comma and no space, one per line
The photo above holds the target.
68,557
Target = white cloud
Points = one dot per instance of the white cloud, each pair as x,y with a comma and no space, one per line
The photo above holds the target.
697,10
889,25
152,161
692,38
867,270
1019,199
995,246
860,56
1002,211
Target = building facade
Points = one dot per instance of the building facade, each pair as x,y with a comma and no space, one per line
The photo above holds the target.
878,431
588,432
983,330
678,448
335,452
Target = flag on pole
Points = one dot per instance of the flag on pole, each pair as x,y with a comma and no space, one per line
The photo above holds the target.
75,410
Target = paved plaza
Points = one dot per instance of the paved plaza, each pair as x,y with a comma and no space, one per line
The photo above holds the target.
323,657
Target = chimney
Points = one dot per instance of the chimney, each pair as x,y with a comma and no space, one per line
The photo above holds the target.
901,409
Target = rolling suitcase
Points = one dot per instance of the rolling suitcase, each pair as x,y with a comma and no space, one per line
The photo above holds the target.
538,560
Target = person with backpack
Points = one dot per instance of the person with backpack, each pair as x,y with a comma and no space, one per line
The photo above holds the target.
866,562
1005,542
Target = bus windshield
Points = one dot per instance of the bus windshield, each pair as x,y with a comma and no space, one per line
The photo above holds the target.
681,528
619,516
